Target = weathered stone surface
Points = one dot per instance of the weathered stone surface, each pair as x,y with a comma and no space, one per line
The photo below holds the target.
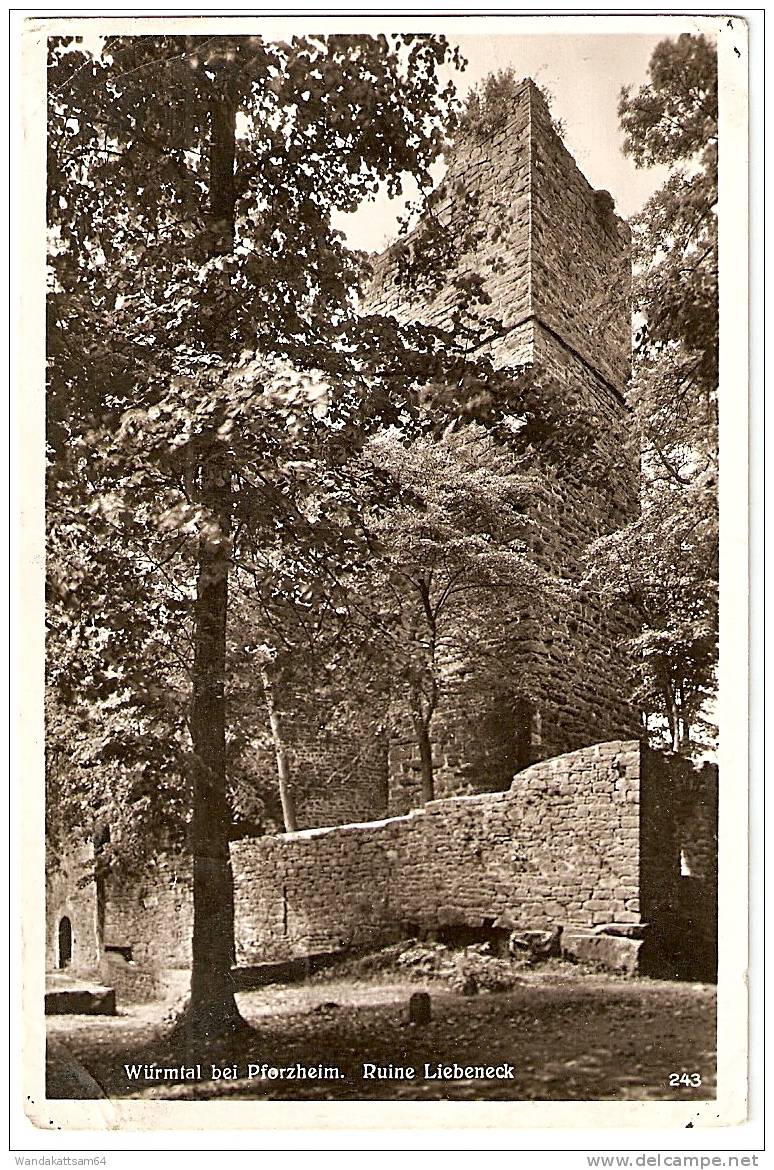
68,897
623,929
537,945
607,951
522,860
563,846
81,999
420,1010
556,265
466,861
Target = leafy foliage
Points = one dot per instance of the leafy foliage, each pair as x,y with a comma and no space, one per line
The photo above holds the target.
489,105
675,115
450,568
666,561
205,351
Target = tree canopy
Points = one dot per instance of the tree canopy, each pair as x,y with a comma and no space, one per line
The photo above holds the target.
205,348
665,562
450,553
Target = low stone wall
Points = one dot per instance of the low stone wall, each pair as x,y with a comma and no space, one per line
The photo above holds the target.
561,845
151,917
142,982
612,833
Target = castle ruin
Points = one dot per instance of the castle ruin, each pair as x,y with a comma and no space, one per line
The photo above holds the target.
549,810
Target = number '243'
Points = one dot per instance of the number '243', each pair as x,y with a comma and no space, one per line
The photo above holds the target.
690,1080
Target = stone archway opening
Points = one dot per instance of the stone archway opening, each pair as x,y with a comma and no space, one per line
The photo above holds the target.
65,942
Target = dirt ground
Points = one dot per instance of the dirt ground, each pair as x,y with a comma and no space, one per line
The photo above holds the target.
560,1034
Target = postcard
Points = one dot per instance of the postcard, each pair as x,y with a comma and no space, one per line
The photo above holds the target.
384,496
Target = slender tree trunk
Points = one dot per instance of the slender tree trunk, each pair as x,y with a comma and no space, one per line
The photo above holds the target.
423,717
685,727
422,732
100,900
673,719
684,738
283,762
426,760
212,1011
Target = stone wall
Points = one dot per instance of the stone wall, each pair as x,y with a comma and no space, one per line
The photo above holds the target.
610,833
580,257
561,845
338,770
587,839
128,931
70,893
554,257
484,205
151,917
463,763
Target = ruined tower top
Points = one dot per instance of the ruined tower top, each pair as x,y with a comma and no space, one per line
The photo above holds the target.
554,256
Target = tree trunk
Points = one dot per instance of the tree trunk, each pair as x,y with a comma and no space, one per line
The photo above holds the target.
283,762
673,719
685,737
684,724
426,760
423,717
213,1008
422,730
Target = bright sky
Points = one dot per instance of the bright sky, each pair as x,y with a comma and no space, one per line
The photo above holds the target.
585,74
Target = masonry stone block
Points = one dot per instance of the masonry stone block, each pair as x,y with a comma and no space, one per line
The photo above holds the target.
611,953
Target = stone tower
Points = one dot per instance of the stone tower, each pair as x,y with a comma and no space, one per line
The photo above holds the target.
555,262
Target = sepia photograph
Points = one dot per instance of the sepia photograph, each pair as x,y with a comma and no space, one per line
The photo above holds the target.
382,546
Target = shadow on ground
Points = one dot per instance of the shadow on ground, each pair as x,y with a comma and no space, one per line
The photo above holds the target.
559,1035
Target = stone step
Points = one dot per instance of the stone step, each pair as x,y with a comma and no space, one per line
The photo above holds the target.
610,952
71,997
248,978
